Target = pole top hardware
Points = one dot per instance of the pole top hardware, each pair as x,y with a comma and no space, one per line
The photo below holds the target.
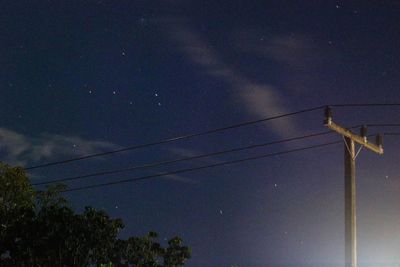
379,140
363,133
328,116
360,139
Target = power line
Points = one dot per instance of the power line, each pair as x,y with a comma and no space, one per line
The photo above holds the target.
366,105
200,168
391,134
168,140
383,125
212,165
159,163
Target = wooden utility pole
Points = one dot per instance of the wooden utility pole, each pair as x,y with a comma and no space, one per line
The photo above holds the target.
350,155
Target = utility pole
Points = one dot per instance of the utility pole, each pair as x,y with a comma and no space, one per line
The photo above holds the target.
350,155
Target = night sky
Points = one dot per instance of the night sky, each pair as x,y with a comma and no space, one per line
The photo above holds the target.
83,77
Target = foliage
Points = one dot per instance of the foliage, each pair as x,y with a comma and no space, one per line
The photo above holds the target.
146,252
39,228
16,203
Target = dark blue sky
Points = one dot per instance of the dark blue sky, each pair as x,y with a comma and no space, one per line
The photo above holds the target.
81,77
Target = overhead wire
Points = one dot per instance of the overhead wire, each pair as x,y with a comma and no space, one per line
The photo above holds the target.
134,179
391,134
365,105
383,125
169,140
182,137
165,162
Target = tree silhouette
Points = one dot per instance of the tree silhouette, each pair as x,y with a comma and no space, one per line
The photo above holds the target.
39,228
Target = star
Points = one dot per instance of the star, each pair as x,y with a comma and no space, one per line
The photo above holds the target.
114,92
220,212
159,104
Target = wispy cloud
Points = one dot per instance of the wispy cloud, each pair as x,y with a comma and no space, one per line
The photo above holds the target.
183,152
292,51
187,153
12,146
260,100
300,58
180,179
19,149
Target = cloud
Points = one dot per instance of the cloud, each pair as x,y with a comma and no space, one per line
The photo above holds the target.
300,58
187,153
183,152
19,149
12,146
293,51
286,49
180,179
260,100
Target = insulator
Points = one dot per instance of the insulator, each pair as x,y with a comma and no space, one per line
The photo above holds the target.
328,112
379,140
363,131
